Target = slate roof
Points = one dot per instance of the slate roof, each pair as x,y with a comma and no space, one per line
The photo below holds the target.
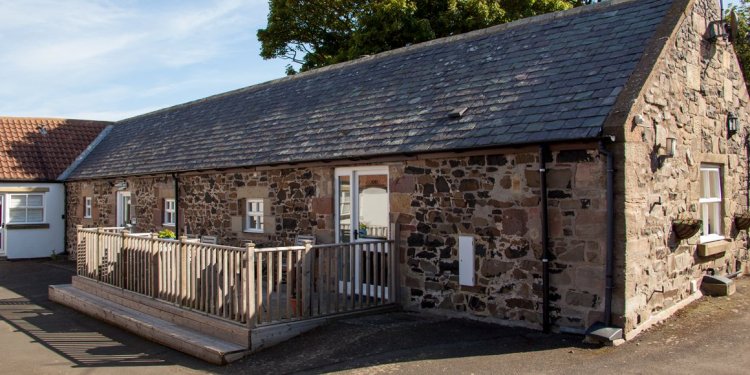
28,155
547,78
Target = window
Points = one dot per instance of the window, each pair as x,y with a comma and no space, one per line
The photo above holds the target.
254,219
169,212
710,203
26,208
87,208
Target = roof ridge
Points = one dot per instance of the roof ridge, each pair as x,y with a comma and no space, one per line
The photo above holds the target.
49,118
448,39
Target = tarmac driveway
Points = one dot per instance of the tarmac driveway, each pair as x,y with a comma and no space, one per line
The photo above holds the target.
40,337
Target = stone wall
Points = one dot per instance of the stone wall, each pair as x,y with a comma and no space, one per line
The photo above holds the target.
496,198
695,84
297,201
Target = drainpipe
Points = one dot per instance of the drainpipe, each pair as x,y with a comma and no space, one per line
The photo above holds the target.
610,285
176,205
604,331
545,239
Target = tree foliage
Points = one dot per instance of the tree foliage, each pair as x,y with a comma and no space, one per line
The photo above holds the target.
742,41
317,33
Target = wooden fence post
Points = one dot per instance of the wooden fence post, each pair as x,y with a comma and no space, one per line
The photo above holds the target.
307,279
97,255
80,261
183,270
250,284
156,266
124,249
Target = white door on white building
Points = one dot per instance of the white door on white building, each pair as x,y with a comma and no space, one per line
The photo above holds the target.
2,225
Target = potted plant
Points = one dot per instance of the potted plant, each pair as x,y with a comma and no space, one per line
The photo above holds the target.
686,228
167,234
742,221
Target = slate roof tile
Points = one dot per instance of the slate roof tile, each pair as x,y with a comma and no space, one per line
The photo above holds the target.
550,78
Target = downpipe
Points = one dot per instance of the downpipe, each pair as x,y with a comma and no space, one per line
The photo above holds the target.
543,150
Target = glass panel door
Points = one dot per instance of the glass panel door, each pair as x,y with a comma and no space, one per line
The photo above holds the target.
362,216
123,208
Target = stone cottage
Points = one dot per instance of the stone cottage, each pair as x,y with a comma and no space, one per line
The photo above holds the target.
558,149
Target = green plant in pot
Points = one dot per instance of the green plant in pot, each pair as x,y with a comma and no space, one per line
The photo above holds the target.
167,234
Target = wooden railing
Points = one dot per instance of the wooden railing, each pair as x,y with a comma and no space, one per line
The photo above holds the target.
246,285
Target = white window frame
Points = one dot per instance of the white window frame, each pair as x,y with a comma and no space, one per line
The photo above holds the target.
254,210
26,207
87,208
121,220
708,214
170,212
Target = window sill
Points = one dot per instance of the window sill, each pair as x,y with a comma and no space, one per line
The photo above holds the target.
710,238
707,249
28,226
256,231
87,217
167,225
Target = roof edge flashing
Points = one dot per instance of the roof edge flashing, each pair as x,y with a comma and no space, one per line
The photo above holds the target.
78,160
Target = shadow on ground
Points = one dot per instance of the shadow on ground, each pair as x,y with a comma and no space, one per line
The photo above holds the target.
83,341
346,344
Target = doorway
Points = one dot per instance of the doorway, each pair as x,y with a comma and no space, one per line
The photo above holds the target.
2,225
362,216
123,208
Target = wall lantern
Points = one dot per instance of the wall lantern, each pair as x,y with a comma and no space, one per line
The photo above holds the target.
121,185
670,150
733,123
671,147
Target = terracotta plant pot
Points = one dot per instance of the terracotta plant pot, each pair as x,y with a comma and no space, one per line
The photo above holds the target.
686,228
742,221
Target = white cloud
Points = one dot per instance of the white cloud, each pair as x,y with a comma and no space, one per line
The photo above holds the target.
111,58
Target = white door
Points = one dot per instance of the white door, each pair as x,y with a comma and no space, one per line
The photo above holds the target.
362,215
2,225
123,208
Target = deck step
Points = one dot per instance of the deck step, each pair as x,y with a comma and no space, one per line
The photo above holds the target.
206,347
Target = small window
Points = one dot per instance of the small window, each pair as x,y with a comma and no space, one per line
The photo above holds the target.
26,208
87,208
169,212
254,220
710,203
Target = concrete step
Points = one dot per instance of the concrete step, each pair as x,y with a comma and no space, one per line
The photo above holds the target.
201,345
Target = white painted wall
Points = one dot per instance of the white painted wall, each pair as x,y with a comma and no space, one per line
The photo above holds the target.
37,243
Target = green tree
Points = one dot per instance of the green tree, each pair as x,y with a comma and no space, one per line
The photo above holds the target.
323,32
741,42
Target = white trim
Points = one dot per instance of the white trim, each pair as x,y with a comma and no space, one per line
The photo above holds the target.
119,219
171,211
257,214
711,204
87,208
9,203
353,173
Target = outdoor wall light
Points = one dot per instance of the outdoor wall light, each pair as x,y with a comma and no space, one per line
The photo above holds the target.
671,147
121,185
733,123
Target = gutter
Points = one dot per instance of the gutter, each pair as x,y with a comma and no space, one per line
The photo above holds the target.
604,331
543,150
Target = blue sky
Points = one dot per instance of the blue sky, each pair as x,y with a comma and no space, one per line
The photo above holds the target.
112,59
